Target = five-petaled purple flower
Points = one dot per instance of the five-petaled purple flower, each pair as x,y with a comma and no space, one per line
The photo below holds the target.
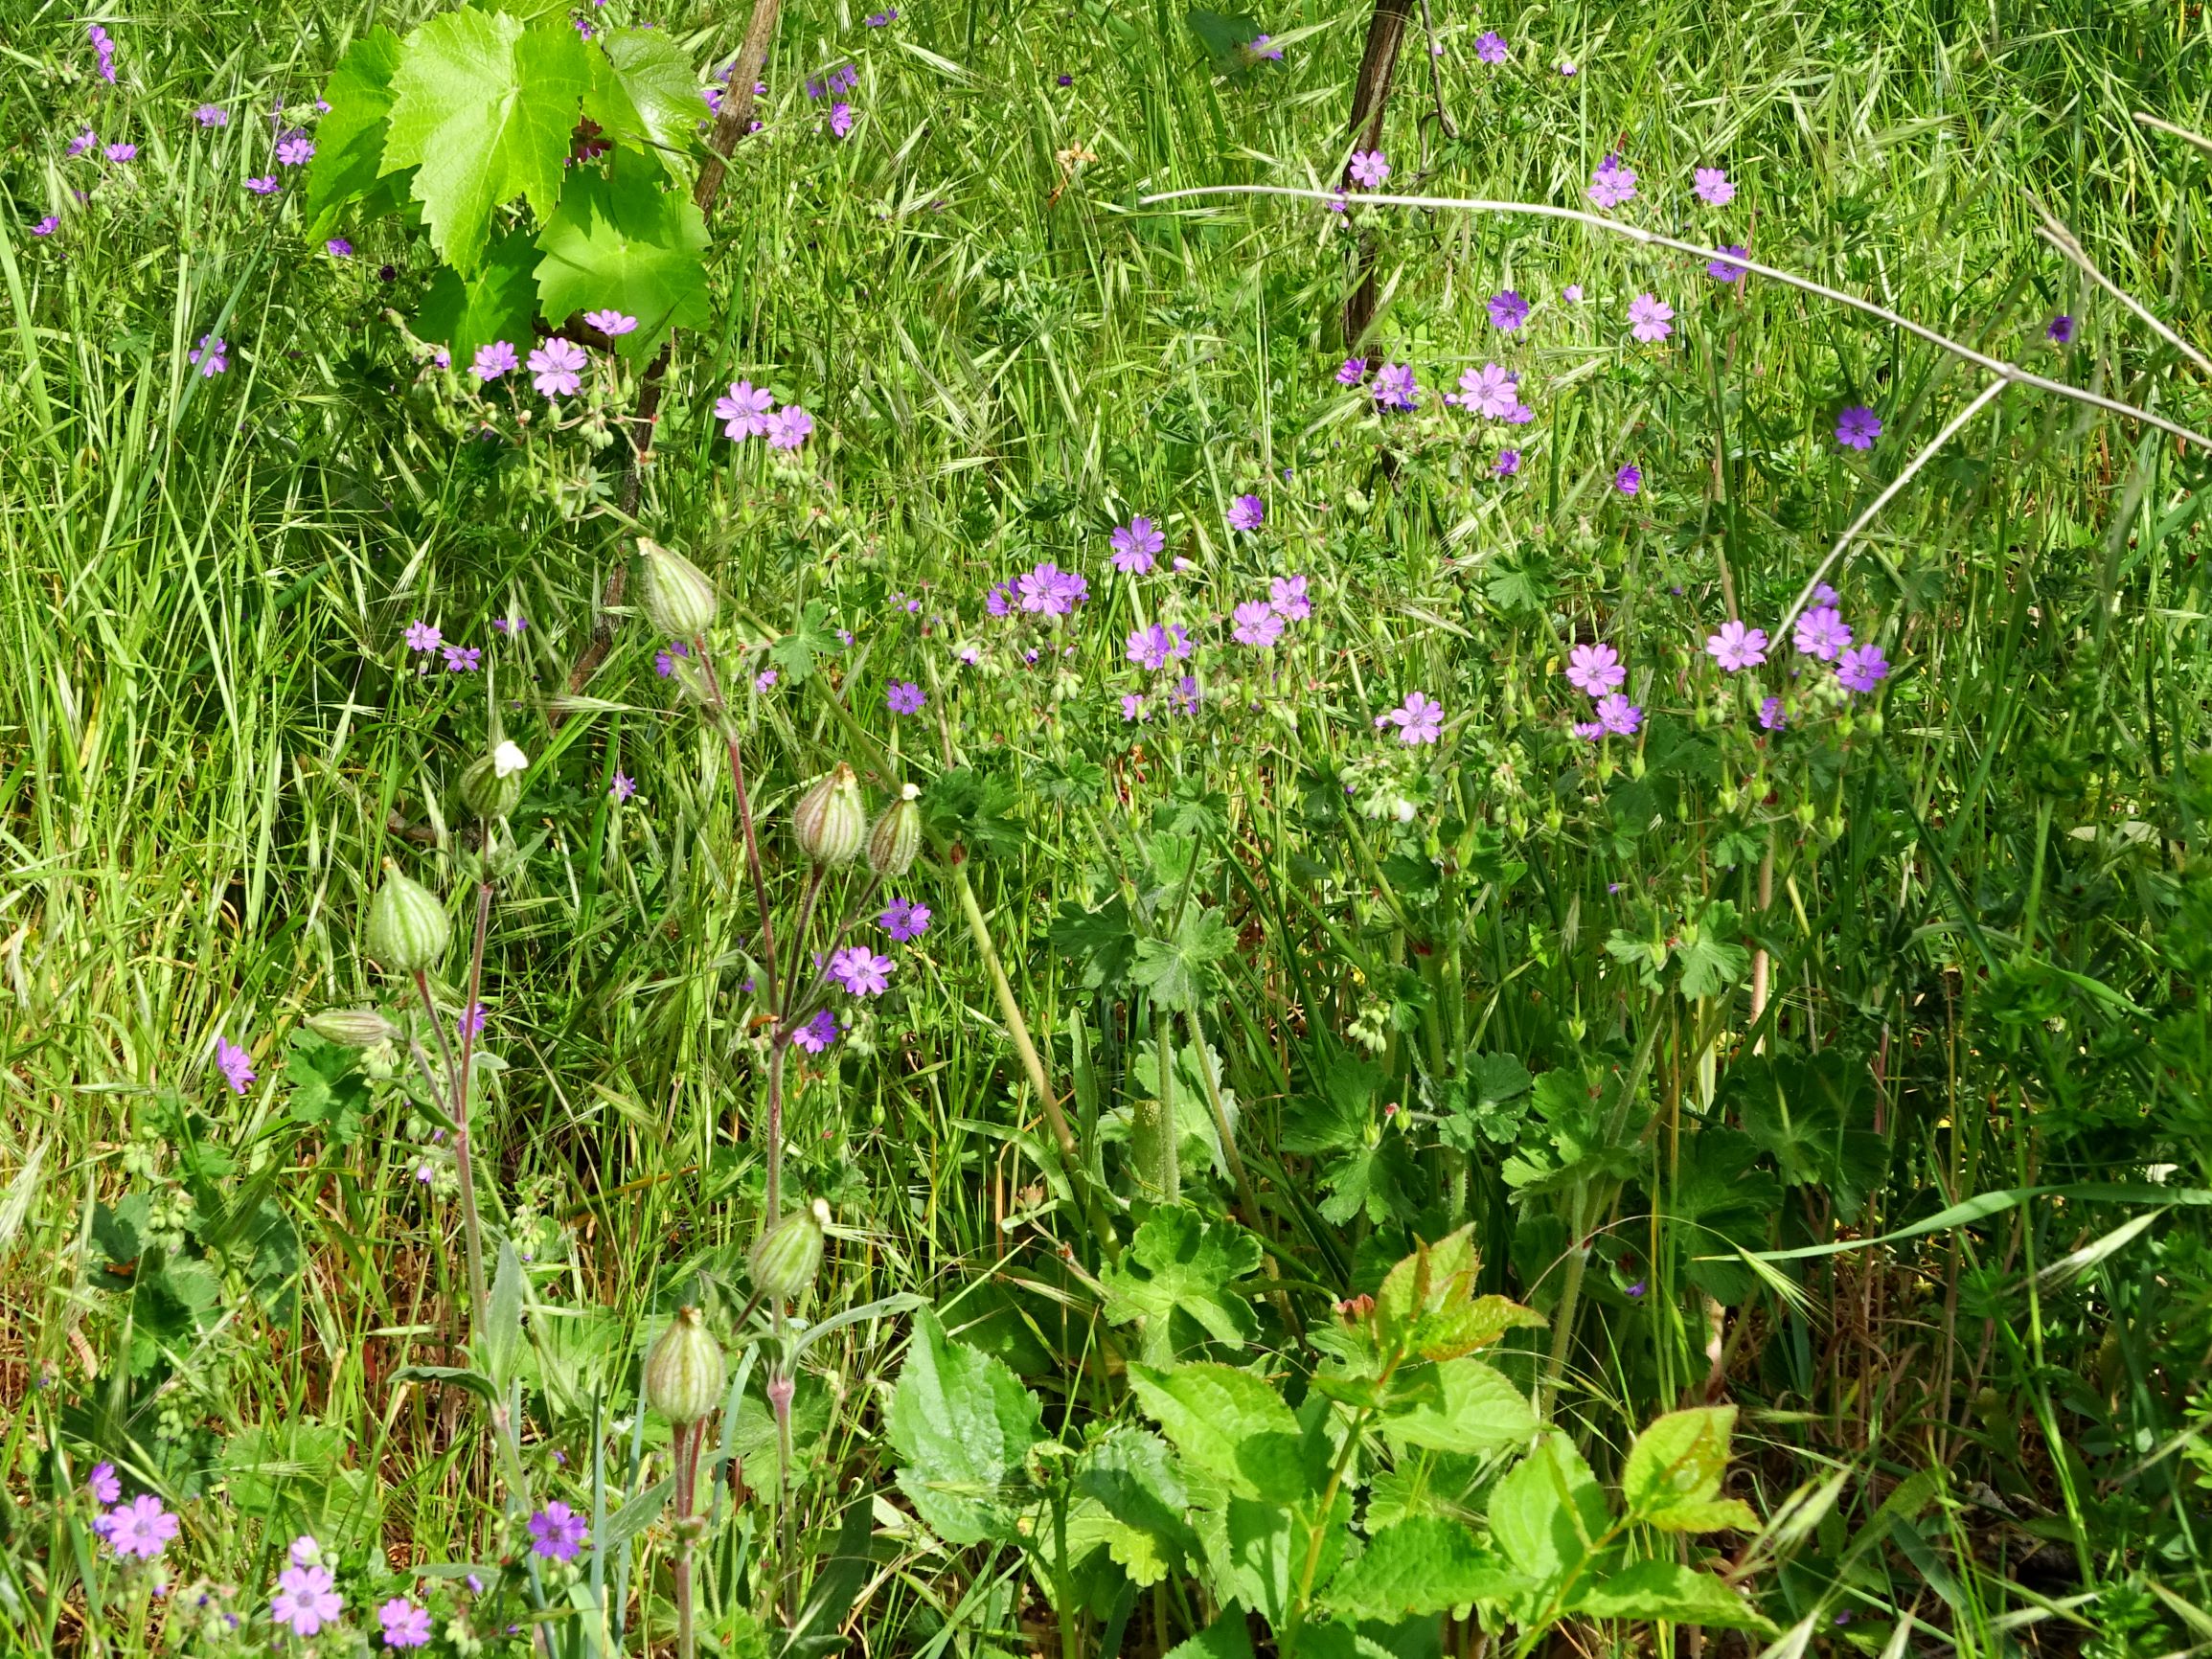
818,1034
212,115
1395,387
1862,669
1650,319
306,1598
622,788
1352,370
1264,46
860,970
1770,715
1725,269
1051,591
557,368
1595,670
1858,427
235,1063
2061,328
422,636
121,152
1618,716
103,1484
744,410
1714,188
840,119
1822,633
463,659
1135,545
1737,647
46,226
493,361
405,1625
211,356
1611,184
1508,463
141,1528
664,662
1490,46
558,1533
903,919
1630,478
1257,624
1287,598
1418,719
904,697
612,323
265,185
1508,310
82,142
1155,647
788,427
1369,170
1491,390
338,248
1247,513
295,150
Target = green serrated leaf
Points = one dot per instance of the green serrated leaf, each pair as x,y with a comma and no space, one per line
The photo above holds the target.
622,242
328,1088
810,637
1179,971
1227,1422
1709,960
348,166
644,92
465,313
1132,1475
1181,1263
1668,1590
1546,1511
961,1426
1460,1405
1225,1638
1672,1479
1421,1565
484,109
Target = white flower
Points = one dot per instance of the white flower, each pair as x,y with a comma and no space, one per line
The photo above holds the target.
508,759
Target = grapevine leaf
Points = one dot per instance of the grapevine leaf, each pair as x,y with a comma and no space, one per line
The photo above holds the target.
1671,1480
1668,1590
348,157
643,92
1179,1263
484,109
495,304
1422,1565
962,1425
621,242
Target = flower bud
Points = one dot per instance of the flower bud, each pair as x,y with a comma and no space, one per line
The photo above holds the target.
684,1376
408,929
831,820
493,784
353,1027
677,596
787,1257
897,837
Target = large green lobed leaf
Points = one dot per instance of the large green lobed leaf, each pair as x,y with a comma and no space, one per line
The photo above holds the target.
622,242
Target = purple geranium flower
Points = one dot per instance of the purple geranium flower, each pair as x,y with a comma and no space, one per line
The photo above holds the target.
744,410
1862,669
121,152
422,636
1713,187
1135,544
493,361
1595,670
840,119
1395,387
306,1598
557,368
1822,633
1725,269
2061,328
1257,624
103,1484
1418,719
234,1064
1264,46
1737,647
1858,427
788,427
1368,168
1650,319
264,186
860,970
558,1533
1247,513
612,323
141,1528
338,248
1490,46
1508,310
1051,591
1491,390
818,1034
1770,715
46,226
1155,646
622,788
1508,463
295,150
211,356
904,920
1352,370
405,1625
82,142
664,662
463,659
904,697
1618,716
1630,478
1132,707
212,115
1611,184
1287,598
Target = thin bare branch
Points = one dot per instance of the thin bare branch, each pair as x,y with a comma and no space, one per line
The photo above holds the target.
2054,232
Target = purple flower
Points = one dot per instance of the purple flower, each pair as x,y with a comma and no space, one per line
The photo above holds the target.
1636,1291
882,19
1628,479
104,46
1264,46
1287,598
264,186
1650,319
1618,716
1611,184
1395,387
999,600
493,361
306,1598
1590,730
1135,544
1508,463
1858,427
502,624
1770,715
1726,270
746,410
1132,707
338,248
840,119
1257,624
1157,647
121,152
1862,669
1508,310
1713,187
664,662
1051,591
463,659
295,150
1247,513
1186,695
1418,719
1490,46
765,681
557,368
211,355
622,788
422,636
860,970
1823,594
405,1625
141,1528
102,1484
1737,647
818,1034
1572,293
1352,370
1595,670
1490,390
557,1533
904,699
82,142
212,115
903,919
468,1027
1821,633
46,226
788,427
234,1064
2061,328
1368,168
612,324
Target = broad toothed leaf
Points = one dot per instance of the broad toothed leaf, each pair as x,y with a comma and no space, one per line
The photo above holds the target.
624,243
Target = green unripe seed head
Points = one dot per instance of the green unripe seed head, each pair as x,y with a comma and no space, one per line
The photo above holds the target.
408,929
788,1256
493,784
678,594
353,1027
684,1375
831,822
896,839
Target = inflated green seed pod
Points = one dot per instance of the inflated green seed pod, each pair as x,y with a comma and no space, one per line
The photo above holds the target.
897,837
408,929
353,1027
684,1376
830,821
677,596
493,784
787,1257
